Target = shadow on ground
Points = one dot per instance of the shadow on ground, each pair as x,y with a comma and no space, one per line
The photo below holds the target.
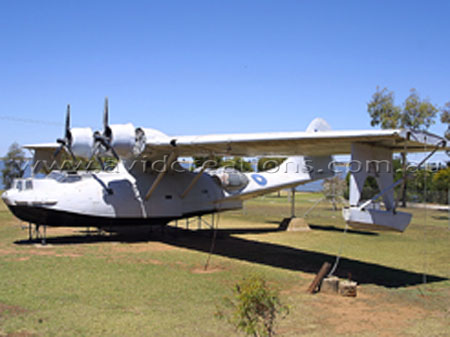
337,229
271,254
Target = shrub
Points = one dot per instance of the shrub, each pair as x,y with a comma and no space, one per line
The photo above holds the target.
253,308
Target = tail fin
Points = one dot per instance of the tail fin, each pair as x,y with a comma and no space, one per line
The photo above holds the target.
320,164
318,125
316,166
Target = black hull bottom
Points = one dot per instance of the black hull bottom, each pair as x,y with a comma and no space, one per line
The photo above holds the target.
49,217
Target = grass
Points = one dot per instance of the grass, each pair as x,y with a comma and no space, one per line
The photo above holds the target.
83,285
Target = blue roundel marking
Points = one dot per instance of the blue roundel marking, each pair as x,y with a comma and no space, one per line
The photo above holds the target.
259,179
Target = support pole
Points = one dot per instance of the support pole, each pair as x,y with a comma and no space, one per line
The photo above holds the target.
44,237
319,277
212,220
293,202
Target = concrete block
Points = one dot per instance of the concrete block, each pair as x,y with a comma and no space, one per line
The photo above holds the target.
294,225
330,285
347,288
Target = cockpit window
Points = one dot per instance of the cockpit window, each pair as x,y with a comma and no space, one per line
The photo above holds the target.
28,185
70,179
63,177
19,185
55,175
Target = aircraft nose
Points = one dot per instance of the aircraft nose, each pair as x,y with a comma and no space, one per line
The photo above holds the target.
7,198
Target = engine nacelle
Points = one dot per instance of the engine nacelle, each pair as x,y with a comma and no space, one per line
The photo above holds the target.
154,136
127,140
82,142
231,179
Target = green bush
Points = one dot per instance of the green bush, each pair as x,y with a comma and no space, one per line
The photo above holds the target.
253,308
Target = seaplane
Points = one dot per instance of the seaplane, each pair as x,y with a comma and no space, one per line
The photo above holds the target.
148,185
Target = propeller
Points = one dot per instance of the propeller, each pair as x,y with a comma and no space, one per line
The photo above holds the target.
103,139
66,142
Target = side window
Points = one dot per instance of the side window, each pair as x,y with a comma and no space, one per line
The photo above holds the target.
28,185
71,179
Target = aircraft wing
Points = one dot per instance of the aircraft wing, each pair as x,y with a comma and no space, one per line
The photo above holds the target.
42,146
295,143
279,144
42,152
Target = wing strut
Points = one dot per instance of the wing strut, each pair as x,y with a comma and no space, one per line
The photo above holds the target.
376,161
400,181
161,175
193,182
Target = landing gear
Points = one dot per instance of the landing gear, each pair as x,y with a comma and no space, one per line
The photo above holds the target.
30,232
37,233
44,237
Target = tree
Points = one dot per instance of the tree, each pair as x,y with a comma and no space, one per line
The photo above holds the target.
253,308
382,109
65,162
441,183
269,163
370,188
333,188
416,113
445,118
215,162
212,162
14,162
238,163
422,184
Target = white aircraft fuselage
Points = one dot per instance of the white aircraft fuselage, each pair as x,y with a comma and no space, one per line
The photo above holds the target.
116,198
131,195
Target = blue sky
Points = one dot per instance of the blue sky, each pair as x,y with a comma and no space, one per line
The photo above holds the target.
196,67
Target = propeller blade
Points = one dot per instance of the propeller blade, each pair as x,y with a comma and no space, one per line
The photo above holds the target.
67,129
58,150
100,161
114,153
105,115
95,149
62,143
104,141
69,150
65,143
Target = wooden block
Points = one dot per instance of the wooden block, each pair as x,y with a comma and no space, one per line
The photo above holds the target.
319,277
347,288
330,285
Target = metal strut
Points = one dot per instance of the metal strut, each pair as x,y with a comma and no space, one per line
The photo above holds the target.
160,176
293,203
401,180
30,233
193,182
44,237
